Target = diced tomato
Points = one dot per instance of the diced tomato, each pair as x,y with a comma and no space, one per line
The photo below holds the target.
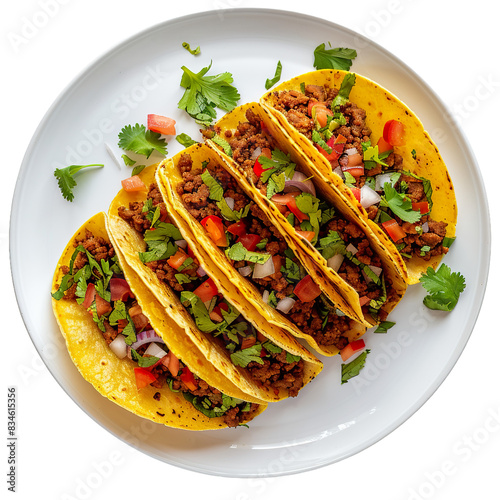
393,229
283,199
321,113
221,306
215,228
102,305
356,171
357,193
238,228
188,378
207,290
364,300
133,184
249,241
394,132
175,261
383,145
421,206
310,106
141,322
306,290
248,342
336,147
161,124
171,362
121,324
135,310
257,167
216,317
143,377
354,160
307,235
292,206
352,348
89,296
340,139
120,289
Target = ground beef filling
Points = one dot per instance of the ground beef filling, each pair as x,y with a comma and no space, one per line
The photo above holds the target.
195,196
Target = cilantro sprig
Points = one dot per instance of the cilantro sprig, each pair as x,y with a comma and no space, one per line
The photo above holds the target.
399,204
277,169
205,93
443,287
141,141
352,369
66,181
334,58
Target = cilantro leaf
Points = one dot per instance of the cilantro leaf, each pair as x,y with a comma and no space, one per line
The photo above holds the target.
215,188
66,181
141,141
338,58
194,52
239,252
204,93
384,326
344,91
443,287
277,75
185,140
245,356
352,369
399,204
220,141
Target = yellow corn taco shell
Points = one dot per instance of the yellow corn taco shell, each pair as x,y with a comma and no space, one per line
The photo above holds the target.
268,319
113,377
130,243
312,260
420,154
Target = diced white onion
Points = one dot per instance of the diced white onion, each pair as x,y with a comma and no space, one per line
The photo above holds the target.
351,248
381,179
376,270
425,227
265,296
256,153
335,262
155,350
351,151
264,270
230,202
338,171
245,271
118,346
181,243
285,305
368,196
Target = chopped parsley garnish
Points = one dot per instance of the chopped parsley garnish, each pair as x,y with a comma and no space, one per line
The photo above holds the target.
194,52
277,75
205,93
185,140
66,181
338,58
238,252
220,141
141,141
443,287
138,169
352,369
245,356
128,161
143,361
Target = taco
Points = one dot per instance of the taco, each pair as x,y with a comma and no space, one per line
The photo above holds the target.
221,223
333,242
123,344
262,360
375,150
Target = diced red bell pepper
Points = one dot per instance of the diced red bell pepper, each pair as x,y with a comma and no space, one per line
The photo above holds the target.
207,290
394,230
188,378
394,132
238,228
421,206
352,348
161,124
143,377
249,241
306,290
133,184
215,228
120,289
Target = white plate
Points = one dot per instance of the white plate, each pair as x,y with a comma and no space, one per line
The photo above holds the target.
327,422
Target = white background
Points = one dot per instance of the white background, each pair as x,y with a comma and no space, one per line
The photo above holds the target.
450,449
